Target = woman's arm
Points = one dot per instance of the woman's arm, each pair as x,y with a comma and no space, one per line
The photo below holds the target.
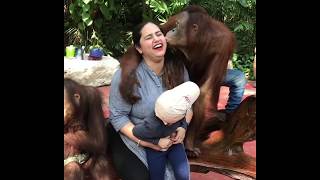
119,113
189,115
127,131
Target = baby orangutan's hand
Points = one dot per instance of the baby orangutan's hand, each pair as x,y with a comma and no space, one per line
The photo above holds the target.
181,132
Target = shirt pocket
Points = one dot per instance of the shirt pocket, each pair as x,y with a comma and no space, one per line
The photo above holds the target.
144,109
138,110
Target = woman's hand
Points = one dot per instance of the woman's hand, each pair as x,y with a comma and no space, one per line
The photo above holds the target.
165,143
150,145
127,130
180,134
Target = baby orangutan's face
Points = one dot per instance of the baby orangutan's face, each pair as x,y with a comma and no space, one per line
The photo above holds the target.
68,109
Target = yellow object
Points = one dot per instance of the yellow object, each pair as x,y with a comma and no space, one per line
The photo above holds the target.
70,51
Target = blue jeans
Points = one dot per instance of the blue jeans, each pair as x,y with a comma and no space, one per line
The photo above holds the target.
236,81
177,157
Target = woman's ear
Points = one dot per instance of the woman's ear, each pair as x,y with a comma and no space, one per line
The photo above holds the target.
138,49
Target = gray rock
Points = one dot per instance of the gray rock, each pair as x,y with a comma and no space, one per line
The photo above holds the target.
91,73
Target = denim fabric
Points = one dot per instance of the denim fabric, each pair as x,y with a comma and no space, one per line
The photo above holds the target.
175,155
236,81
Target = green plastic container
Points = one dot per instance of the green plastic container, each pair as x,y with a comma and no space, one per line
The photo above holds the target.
70,51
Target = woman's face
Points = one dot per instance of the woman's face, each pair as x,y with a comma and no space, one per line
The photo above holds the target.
153,44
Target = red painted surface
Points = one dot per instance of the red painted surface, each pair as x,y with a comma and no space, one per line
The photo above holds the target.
249,147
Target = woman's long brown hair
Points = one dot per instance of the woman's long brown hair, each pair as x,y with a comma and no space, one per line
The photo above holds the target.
173,71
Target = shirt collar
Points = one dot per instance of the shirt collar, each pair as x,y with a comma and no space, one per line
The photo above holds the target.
156,78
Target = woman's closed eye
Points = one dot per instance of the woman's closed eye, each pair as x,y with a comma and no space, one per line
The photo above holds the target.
148,37
159,33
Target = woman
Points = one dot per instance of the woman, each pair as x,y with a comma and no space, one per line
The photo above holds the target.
133,96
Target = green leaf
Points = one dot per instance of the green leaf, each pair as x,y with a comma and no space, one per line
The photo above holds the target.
112,5
105,11
87,19
164,7
248,26
243,3
89,22
86,1
234,57
98,1
238,28
85,7
85,16
81,26
71,8
98,23
79,2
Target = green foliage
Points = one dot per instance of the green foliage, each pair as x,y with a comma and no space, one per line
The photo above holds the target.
162,11
108,23
244,63
101,23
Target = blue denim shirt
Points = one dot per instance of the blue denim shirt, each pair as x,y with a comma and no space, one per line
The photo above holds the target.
121,112
150,89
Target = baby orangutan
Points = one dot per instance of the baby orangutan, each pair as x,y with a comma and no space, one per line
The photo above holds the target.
84,134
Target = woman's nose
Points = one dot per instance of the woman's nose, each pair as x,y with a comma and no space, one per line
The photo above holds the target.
156,38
